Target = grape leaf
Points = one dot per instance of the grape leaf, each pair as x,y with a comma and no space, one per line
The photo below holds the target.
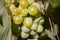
1,7
5,29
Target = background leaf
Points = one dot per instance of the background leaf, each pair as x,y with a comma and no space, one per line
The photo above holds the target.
56,29
1,7
50,35
56,3
46,5
5,29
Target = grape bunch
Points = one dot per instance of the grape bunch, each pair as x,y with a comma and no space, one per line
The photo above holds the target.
28,16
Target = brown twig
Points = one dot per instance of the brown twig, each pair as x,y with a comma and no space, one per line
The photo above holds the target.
58,37
42,7
51,25
57,34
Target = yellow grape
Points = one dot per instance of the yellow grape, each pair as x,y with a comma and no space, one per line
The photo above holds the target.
23,3
17,19
33,10
24,12
16,11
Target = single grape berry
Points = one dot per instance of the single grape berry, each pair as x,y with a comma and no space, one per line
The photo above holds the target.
16,11
24,12
34,26
17,19
24,35
33,10
25,29
40,28
32,33
41,21
23,3
28,22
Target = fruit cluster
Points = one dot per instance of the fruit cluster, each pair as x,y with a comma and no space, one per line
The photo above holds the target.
28,16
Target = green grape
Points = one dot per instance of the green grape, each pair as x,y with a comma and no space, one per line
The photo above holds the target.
40,28
25,8
31,1
36,36
32,39
17,19
12,6
25,29
32,33
28,22
37,20
37,5
41,21
24,35
20,8
33,10
24,12
34,26
23,3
